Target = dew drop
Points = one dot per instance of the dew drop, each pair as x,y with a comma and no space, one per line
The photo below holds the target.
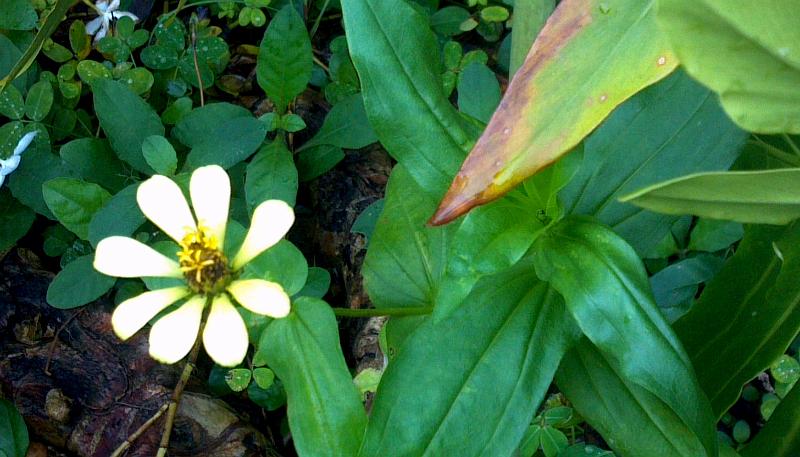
506,131
662,60
783,51
603,98
130,81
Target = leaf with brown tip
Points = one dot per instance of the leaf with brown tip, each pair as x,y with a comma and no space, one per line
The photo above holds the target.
590,57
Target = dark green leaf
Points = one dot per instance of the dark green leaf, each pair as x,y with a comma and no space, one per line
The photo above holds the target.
345,126
271,175
160,155
478,92
94,161
606,291
712,235
13,432
282,263
227,143
444,383
284,58
74,202
15,220
159,57
120,215
270,399
197,126
39,100
529,18
90,71
675,286
317,283
78,284
670,129
447,20
325,413
366,221
79,40
747,316
781,436
140,80
315,161
118,109
11,104
17,15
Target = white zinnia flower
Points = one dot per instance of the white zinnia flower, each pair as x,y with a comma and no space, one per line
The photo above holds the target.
210,278
100,25
10,164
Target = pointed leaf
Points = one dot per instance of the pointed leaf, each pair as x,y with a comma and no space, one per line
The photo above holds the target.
345,126
760,197
13,432
605,288
74,202
760,91
529,18
324,408
615,49
271,175
757,294
442,385
78,284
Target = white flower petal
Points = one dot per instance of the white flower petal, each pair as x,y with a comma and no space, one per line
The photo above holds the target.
262,297
113,6
210,189
2,179
162,201
94,25
132,314
173,336
121,14
125,257
24,142
103,31
271,221
9,165
225,336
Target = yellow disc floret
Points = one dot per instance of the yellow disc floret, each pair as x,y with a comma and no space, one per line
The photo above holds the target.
204,266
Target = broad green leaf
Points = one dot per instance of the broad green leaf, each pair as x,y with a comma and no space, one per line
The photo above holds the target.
441,384
747,316
271,175
550,107
447,21
781,436
94,161
196,126
325,413
120,215
529,18
317,283
13,432
17,15
605,288
713,235
78,284
315,161
284,58
227,143
632,420
160,155
11,103
119,110
74,202
760,91
90,71
671,129
15,220
675,286
282,263
391,45
478,92
345,126
765,196
39,100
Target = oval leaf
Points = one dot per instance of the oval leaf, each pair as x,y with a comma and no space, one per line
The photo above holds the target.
13,432
74,202
78,284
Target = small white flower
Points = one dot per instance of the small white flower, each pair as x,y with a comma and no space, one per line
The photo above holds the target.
210,278
100,25
10,164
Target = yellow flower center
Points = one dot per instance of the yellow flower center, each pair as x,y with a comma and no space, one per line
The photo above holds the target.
204,266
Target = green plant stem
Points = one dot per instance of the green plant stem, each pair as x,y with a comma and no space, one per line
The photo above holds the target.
791,144
409,311
776,153
319,18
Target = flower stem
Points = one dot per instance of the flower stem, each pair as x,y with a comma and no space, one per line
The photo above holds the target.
400,311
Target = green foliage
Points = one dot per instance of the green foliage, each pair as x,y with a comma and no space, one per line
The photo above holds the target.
13,432
285,59
78,284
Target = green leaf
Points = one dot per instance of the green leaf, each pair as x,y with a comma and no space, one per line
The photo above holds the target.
140,80
238,379
74,202
160,155
785,370
271,175
284,58
668,130
15,220
345,126
675,286
781,436
391,45
325,413
317,283
11,104
90,71
585,450
441,383
159,57
366,221
447,21
478,92
317,160
553,441
227,143
17,15
282,263
94,161
78,284
118,109
712,235
39,100
529,18
494,13
760,91
765,196
79,40
13,432
551,107
264,377
632,420
270,399
607,293
196,126
120,215
747,316
292,123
